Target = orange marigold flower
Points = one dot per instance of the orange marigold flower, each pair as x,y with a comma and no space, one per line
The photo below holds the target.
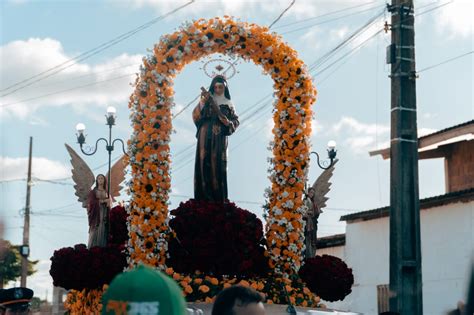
204,288
188,290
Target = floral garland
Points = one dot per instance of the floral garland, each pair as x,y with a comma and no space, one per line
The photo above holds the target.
84,302
151,105
277,290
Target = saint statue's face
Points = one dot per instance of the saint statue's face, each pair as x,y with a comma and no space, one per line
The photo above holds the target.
100,180
311,193
219,88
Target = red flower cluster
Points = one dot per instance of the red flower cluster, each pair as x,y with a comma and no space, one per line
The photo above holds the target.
328,277
81,268
217,239
118,233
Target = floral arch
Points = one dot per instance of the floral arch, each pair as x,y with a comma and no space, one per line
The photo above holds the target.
150,159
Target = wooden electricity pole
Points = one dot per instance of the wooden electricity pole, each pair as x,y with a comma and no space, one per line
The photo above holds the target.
405,246
25,248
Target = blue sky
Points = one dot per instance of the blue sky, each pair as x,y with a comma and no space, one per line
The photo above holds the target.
352,107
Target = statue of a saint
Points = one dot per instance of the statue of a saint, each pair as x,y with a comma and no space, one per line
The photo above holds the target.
311,218
98,203
96,200
215,120
315,200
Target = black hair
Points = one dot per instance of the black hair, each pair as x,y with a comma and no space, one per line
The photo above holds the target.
220,79
227,298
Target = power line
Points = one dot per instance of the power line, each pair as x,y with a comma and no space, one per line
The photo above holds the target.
323,15
346,41
330,20
316,64
262,203
75,78
350,52
185,107
190,159
432,9
241,115
353,50
67,90
446,61
282,13
69,63
51,181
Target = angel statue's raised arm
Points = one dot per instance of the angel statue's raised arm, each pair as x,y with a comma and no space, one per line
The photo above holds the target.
96,199
315,201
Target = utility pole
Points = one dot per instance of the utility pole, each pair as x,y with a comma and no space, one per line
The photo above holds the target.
405,245
25,248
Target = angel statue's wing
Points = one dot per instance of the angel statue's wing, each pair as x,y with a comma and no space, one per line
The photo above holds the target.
81,175
117,177
322,186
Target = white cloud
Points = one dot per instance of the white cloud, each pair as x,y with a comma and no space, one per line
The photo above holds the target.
245,8
43,168
425,131
359,137
316,127
362,138
41,282
456,18
23,59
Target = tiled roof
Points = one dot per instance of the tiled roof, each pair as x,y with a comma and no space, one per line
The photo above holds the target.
447,129
427,203
331,241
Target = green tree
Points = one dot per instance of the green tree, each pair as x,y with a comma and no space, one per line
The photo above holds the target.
10,263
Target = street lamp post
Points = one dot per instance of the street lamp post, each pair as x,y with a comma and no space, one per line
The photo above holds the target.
331,155
109,146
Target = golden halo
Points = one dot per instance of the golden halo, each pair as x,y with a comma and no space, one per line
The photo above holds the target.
222,68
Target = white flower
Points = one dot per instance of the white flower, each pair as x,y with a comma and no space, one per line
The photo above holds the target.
277,211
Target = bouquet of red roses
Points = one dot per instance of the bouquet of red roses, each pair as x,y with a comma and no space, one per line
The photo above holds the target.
79,267
328,277
218,239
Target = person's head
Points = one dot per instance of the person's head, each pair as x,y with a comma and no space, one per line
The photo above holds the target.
219,86
15,300
101,181
143,290
310,193
238,300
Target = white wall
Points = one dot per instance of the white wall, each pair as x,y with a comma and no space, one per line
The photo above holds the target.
447,236
337,251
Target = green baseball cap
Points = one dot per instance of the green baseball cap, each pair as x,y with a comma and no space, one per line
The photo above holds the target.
143,291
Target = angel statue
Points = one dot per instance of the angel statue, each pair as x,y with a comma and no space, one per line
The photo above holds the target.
315,201
96,200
